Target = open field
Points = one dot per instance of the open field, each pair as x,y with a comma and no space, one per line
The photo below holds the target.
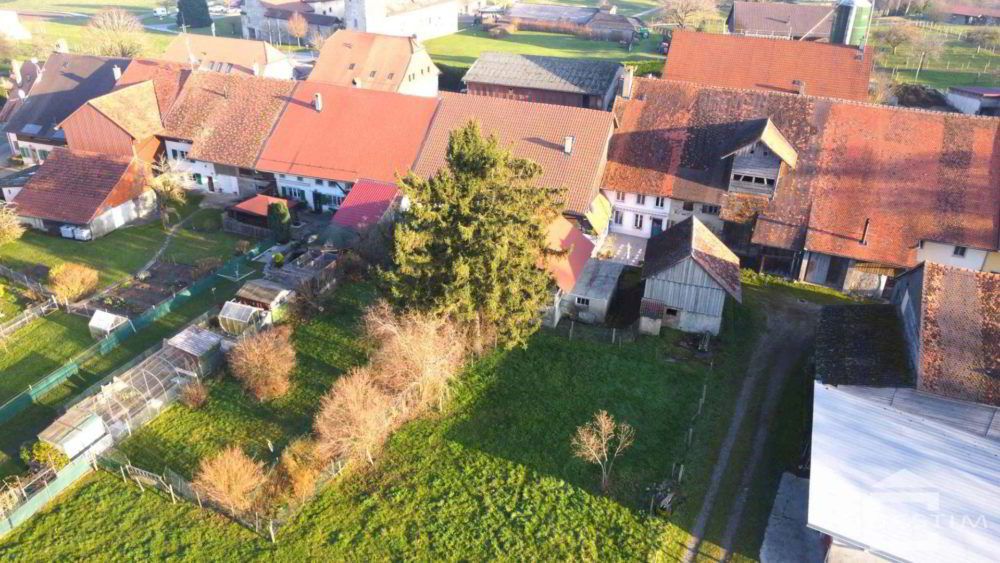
79,6
11,301
39,348
958,65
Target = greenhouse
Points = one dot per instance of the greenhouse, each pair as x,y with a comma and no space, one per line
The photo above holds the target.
235,318
104,323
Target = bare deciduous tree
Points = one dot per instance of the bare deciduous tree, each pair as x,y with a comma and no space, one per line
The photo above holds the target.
69,281
168,183
683,13
355,418
601,441
116,33
881,87
299,469
264,362
298,27
896,36
10,228
230,477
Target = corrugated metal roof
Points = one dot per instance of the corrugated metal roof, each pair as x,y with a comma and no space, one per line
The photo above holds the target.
558,74
195,341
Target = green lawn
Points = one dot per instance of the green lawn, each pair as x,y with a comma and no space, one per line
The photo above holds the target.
74,31
493,476
11,301
959,64
79,6
202,237
39,348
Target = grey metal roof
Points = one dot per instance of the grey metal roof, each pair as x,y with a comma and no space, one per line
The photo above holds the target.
195,341
598,279
261,291
552,13
19,178
781,19
544,73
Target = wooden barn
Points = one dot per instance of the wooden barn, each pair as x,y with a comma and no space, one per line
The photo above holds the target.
688,273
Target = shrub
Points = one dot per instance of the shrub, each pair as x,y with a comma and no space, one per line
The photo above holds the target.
299,469
242,246
11,228
350,266
206,266
355,418
69,281
194,394
230,478
44,453
264,362
279,259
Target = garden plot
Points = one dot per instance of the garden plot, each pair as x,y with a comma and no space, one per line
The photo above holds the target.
137,295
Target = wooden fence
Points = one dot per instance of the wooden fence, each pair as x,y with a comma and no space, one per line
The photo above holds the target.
39,310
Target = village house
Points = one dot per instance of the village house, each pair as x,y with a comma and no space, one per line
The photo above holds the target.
377,62
779,65
217,127
688,273
228,55
421,19
904,421
123,123
973,15
22,77
601,23
783,20
327,135
85,195
550,80
574,251
974,100
842,210
268,21
570,144
66,82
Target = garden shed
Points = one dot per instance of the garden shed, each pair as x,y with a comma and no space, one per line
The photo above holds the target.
74,432
202,346
104,323
235,318
590,298
263,294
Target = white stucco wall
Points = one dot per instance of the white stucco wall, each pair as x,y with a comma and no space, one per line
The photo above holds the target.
335,189
33,149
945,254
671,213
426,23
201,171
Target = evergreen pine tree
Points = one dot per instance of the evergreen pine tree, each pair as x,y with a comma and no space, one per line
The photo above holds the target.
472,241
279,221
193,13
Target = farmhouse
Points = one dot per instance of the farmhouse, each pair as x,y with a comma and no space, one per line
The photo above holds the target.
268,21
122,123
325,139
22,77
227,55
778,65
688,273
376,62
552,80
421,19
570,144
218,126
85,195
885,455
677,145
973,15
67,82
808,22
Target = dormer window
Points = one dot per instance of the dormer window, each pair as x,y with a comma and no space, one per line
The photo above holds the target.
759,155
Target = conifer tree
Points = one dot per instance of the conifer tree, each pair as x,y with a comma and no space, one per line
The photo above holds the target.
472,240
193,13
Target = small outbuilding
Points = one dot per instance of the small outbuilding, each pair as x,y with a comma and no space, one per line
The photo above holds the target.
235,318
264,294
202,348
104,323
688,273
74,432
594,291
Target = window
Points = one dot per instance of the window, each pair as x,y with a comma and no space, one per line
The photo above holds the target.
318,182
42,155
583,301
300,178
371,74
25,152
619,196
350,66
638,221
391,74
770,181
294,193
959,251
337,200
173,153
617,217
710,209
660,202
640,199
688,206
671,312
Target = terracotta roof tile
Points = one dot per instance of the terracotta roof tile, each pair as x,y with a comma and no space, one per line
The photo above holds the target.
563,236
365,205
691,238
227,117
960,334
341,141
855,161
837,71
241,54
258,204
533,131
133,108
350,58
76,186
168,79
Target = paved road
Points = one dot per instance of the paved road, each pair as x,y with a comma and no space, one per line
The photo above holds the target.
789,328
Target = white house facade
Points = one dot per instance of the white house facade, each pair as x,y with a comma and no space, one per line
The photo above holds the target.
318,193
645,216
952,255
424,19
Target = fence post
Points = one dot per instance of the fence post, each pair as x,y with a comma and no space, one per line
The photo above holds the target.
138,482
270,528
170,488
122,468
197,495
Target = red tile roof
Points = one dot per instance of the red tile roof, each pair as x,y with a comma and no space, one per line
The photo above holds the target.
168,79
358,134
368,60
258,204
855,162
691,238
960,334
365,205
227,117
75,186
563,236
973,11
241,54
133,108
836,71
533,131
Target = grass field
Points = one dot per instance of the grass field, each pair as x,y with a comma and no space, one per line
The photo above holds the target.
493,476
201,238
78,6
11,301
958,65
38,348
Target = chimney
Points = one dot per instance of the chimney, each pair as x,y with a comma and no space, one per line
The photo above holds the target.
62,46
864,232
568,144
318,101
15,71
625,82
117,71
801,85
256,69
